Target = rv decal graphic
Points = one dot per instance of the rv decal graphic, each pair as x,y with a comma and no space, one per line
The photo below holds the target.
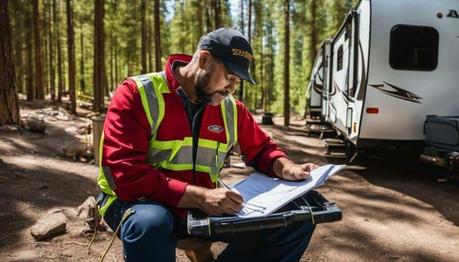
453,13
318,88
397,92
363,77
345,96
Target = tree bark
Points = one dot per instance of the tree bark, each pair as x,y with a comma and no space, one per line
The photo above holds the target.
99,64
150,45
71,56
241,85
112,61
60,74
287,63
218,14
157,37
313,32
82,63
9,108
52,87
143,41
18,45
39,92
313,39
29,50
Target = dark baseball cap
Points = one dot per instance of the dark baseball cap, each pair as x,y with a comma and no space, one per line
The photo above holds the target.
232,48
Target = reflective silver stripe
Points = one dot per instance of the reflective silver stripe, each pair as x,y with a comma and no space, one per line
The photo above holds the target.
183,156
109,177
205,156
155,156
152,100
163,75
208,157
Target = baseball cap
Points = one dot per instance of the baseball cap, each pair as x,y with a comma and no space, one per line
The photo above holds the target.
232,48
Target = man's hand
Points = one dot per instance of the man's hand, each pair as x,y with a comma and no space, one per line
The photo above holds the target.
221,201
288,170
216,201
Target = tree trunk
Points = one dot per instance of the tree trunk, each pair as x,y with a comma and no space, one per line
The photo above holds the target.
208,20
157,37
241,85
60,74
313,39
218,14
287,63
82,62
150,45
45,64
112,61
18,45
99,65
52,87
29,50
115,53
9,108
313,32
71,56
143,41
39,92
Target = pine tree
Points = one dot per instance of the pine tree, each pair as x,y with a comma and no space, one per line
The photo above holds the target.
158,63
286,62
38,77
9,109
99,64
71,56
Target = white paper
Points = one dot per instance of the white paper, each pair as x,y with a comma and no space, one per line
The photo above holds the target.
263,194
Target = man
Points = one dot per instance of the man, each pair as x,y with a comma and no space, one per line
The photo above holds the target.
166,137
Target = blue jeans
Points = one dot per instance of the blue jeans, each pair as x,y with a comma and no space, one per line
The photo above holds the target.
151,232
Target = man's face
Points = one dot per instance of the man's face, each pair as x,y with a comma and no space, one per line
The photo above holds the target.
215,84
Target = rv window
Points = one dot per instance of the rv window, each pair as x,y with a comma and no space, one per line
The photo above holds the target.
339,58
413,48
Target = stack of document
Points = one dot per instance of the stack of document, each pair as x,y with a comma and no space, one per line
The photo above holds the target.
263,194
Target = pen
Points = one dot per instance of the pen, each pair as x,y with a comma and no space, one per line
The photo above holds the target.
253,207
224,185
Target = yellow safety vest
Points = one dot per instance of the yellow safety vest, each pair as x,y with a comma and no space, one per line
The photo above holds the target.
174,155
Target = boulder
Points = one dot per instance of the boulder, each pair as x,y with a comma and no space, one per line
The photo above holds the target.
50,225
35,124
88,211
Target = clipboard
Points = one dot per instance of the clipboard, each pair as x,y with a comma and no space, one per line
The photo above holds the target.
316,209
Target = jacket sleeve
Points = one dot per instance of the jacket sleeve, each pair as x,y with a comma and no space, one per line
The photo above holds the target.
125,149
257,147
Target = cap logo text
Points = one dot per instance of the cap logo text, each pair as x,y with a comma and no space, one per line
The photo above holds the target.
242,53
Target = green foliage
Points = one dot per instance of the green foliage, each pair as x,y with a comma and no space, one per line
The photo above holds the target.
183,22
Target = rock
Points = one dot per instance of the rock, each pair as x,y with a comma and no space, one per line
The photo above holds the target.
35,124
84,129
78,149
8,128
50,225
63,117
88,210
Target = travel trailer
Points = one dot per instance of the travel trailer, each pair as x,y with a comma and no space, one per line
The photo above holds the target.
391,64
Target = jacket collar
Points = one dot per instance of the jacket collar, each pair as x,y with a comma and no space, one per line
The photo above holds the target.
171,62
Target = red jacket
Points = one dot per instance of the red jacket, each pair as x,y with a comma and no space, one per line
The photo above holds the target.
127,135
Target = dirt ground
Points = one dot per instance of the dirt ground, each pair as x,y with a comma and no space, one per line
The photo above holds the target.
396,209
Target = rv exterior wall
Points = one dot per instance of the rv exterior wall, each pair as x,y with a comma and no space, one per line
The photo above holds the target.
405,97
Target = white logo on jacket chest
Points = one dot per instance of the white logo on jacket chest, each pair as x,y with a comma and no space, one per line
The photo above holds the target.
215,129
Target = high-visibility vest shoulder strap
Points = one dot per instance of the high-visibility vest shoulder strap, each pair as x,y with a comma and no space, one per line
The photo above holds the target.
151,87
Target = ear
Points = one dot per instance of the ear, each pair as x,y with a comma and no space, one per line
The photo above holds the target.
205,59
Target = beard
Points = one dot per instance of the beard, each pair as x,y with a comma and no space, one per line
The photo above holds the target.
202,82
202,87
